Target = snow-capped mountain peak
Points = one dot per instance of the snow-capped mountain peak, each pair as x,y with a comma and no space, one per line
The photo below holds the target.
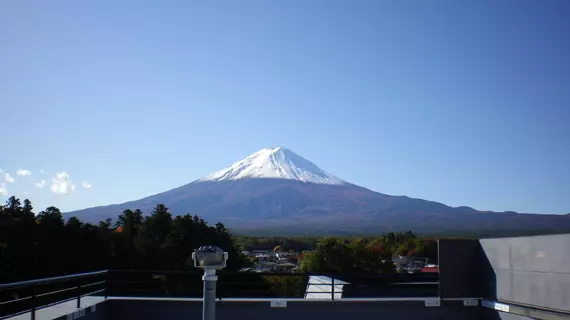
276,163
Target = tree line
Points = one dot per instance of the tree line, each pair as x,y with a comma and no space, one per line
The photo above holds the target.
37,245
43,244
346,254
365,255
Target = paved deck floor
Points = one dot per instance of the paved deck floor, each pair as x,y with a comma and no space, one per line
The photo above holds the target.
60,309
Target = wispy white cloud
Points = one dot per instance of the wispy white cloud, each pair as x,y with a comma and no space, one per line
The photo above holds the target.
42,171
8,178
3,190
40,184
23,172
61,184
86,184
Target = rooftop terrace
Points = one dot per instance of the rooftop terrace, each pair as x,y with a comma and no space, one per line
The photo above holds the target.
508,278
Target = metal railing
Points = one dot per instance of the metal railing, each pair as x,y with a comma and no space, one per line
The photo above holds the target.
29,296
188,284
42,293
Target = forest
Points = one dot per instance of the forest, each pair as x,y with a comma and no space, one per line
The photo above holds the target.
42,244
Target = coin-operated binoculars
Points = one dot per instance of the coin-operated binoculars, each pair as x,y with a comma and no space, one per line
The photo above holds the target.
209,258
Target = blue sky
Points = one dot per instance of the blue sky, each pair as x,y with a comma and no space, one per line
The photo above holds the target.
462,102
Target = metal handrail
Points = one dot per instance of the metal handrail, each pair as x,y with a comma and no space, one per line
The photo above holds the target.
78,285
93,284
54,292
51,292
230,279
388,299
15,300
36,282
387,276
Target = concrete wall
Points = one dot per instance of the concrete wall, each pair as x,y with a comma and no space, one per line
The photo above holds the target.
531,270
461,271
160,310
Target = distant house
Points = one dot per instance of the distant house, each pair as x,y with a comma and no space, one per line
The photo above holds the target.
265,267
401,260
430,269
263,257
284,267
285,254
409,264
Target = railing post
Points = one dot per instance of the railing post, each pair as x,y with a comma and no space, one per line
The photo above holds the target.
78,294
33,313
106,277
332,287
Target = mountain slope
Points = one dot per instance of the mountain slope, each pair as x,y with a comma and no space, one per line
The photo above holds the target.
277,189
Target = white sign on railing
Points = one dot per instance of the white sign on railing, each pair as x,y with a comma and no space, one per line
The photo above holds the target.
278,304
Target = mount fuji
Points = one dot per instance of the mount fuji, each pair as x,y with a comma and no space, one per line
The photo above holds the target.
277,191
278,163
